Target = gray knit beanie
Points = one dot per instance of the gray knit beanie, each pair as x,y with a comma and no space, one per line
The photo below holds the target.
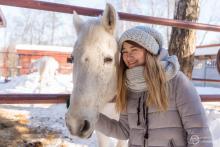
147,37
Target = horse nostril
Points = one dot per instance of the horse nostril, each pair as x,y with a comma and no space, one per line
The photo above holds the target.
107,60
85,126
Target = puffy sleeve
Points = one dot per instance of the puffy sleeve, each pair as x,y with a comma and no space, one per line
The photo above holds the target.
192,113
113,128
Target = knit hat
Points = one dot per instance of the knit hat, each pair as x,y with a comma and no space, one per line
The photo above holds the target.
147,37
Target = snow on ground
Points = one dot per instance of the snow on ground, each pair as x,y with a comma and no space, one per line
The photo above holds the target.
213,113
212,50
214,125
2,79
50,118
44,48
30,84
208,90
44,115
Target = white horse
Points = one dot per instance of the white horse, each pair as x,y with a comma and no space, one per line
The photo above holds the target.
47,68
96,57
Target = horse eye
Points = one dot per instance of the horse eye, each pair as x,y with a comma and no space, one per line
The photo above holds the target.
70,59
107,60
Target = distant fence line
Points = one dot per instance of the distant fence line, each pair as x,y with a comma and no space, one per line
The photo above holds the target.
62,98
205,80
32,54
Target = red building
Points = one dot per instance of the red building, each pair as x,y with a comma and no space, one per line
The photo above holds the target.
29,53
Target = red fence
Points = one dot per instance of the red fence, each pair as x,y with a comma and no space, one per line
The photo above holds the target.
55,7
33,98
40,5
62,98
205,80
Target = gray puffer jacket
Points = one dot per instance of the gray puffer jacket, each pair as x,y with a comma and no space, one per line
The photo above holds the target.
183,125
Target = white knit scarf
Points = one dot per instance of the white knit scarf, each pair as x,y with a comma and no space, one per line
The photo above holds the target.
135,80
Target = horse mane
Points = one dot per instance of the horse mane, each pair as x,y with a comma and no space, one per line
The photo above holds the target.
218,61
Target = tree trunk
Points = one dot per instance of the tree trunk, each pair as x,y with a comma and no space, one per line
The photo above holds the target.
182,41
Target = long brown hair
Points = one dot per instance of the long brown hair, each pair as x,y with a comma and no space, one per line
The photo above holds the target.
155,78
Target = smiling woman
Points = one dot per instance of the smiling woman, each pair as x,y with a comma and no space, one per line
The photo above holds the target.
133,54
154,99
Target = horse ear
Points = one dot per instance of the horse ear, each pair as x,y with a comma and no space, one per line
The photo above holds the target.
109,19
77,22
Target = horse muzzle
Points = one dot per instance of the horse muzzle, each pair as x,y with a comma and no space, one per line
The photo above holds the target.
77,127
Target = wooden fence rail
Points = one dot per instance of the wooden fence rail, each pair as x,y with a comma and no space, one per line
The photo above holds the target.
62,98
33,98
55,7
205,80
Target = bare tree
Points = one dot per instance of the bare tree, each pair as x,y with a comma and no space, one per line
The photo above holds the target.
32,27
213,18
124,6
168,15
9,62
53,22
152,8
133,6
182,41
36,27
170,9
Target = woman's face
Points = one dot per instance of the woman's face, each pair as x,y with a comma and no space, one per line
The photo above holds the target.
132,55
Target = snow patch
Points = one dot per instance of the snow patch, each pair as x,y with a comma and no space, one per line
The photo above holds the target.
52,116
